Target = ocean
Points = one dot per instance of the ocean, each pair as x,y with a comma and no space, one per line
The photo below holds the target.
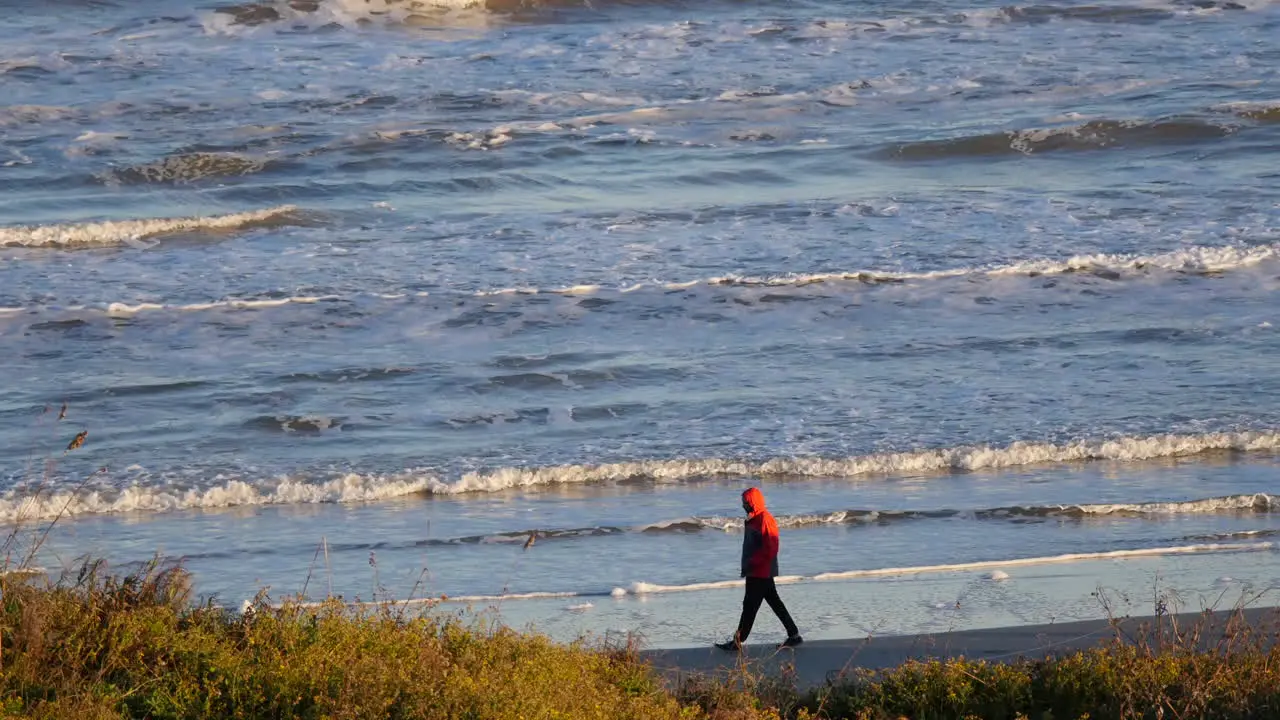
496,309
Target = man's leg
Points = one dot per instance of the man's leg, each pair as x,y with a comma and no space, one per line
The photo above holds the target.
755,594
775,603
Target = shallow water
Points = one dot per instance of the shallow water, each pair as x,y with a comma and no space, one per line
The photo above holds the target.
360,296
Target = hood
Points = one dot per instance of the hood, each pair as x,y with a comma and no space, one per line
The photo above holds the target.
754,500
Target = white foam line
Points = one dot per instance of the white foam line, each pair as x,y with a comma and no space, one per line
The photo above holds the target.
15,507
1190,260
1247,105
120,232
124,310
354,487
459,14
748,104
119,309
436,600
1207,505
510,596
1197,259
642,113
1252,502
1257,502
642,588
1049,560
973,457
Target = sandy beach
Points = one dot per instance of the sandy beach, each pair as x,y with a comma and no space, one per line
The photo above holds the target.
819,661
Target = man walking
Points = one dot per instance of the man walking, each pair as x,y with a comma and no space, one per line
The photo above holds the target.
760,566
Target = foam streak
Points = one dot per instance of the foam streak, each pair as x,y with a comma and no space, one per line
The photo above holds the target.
1190,260
17,507
354,487
1256,503
964,458
121,232
642,588
1051,559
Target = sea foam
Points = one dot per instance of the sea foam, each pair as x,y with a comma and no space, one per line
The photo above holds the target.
962,458
121,232
642,588
1194,260
15,506
1256,503
355,487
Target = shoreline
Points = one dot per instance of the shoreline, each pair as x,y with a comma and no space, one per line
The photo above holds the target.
817,662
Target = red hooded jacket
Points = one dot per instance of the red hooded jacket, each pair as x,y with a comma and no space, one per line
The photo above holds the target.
759,539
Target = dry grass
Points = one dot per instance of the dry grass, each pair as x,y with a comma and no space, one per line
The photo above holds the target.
96,645
1217,666
132,646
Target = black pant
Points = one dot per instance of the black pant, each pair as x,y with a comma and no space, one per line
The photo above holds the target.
763,589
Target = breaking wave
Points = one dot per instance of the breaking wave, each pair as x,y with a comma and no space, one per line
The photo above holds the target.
1092,135
354,487
958,459
640,116
1035,14
128,232
1263,112
1256,503
355,13
1192,260
15,506
1195,260
316,14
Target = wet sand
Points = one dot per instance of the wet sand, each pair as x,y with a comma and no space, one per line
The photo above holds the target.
816,662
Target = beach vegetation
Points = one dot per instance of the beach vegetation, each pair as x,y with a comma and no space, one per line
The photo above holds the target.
98,645
1218,666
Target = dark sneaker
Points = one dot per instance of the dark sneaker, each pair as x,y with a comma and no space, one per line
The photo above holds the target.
729,646
792,641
